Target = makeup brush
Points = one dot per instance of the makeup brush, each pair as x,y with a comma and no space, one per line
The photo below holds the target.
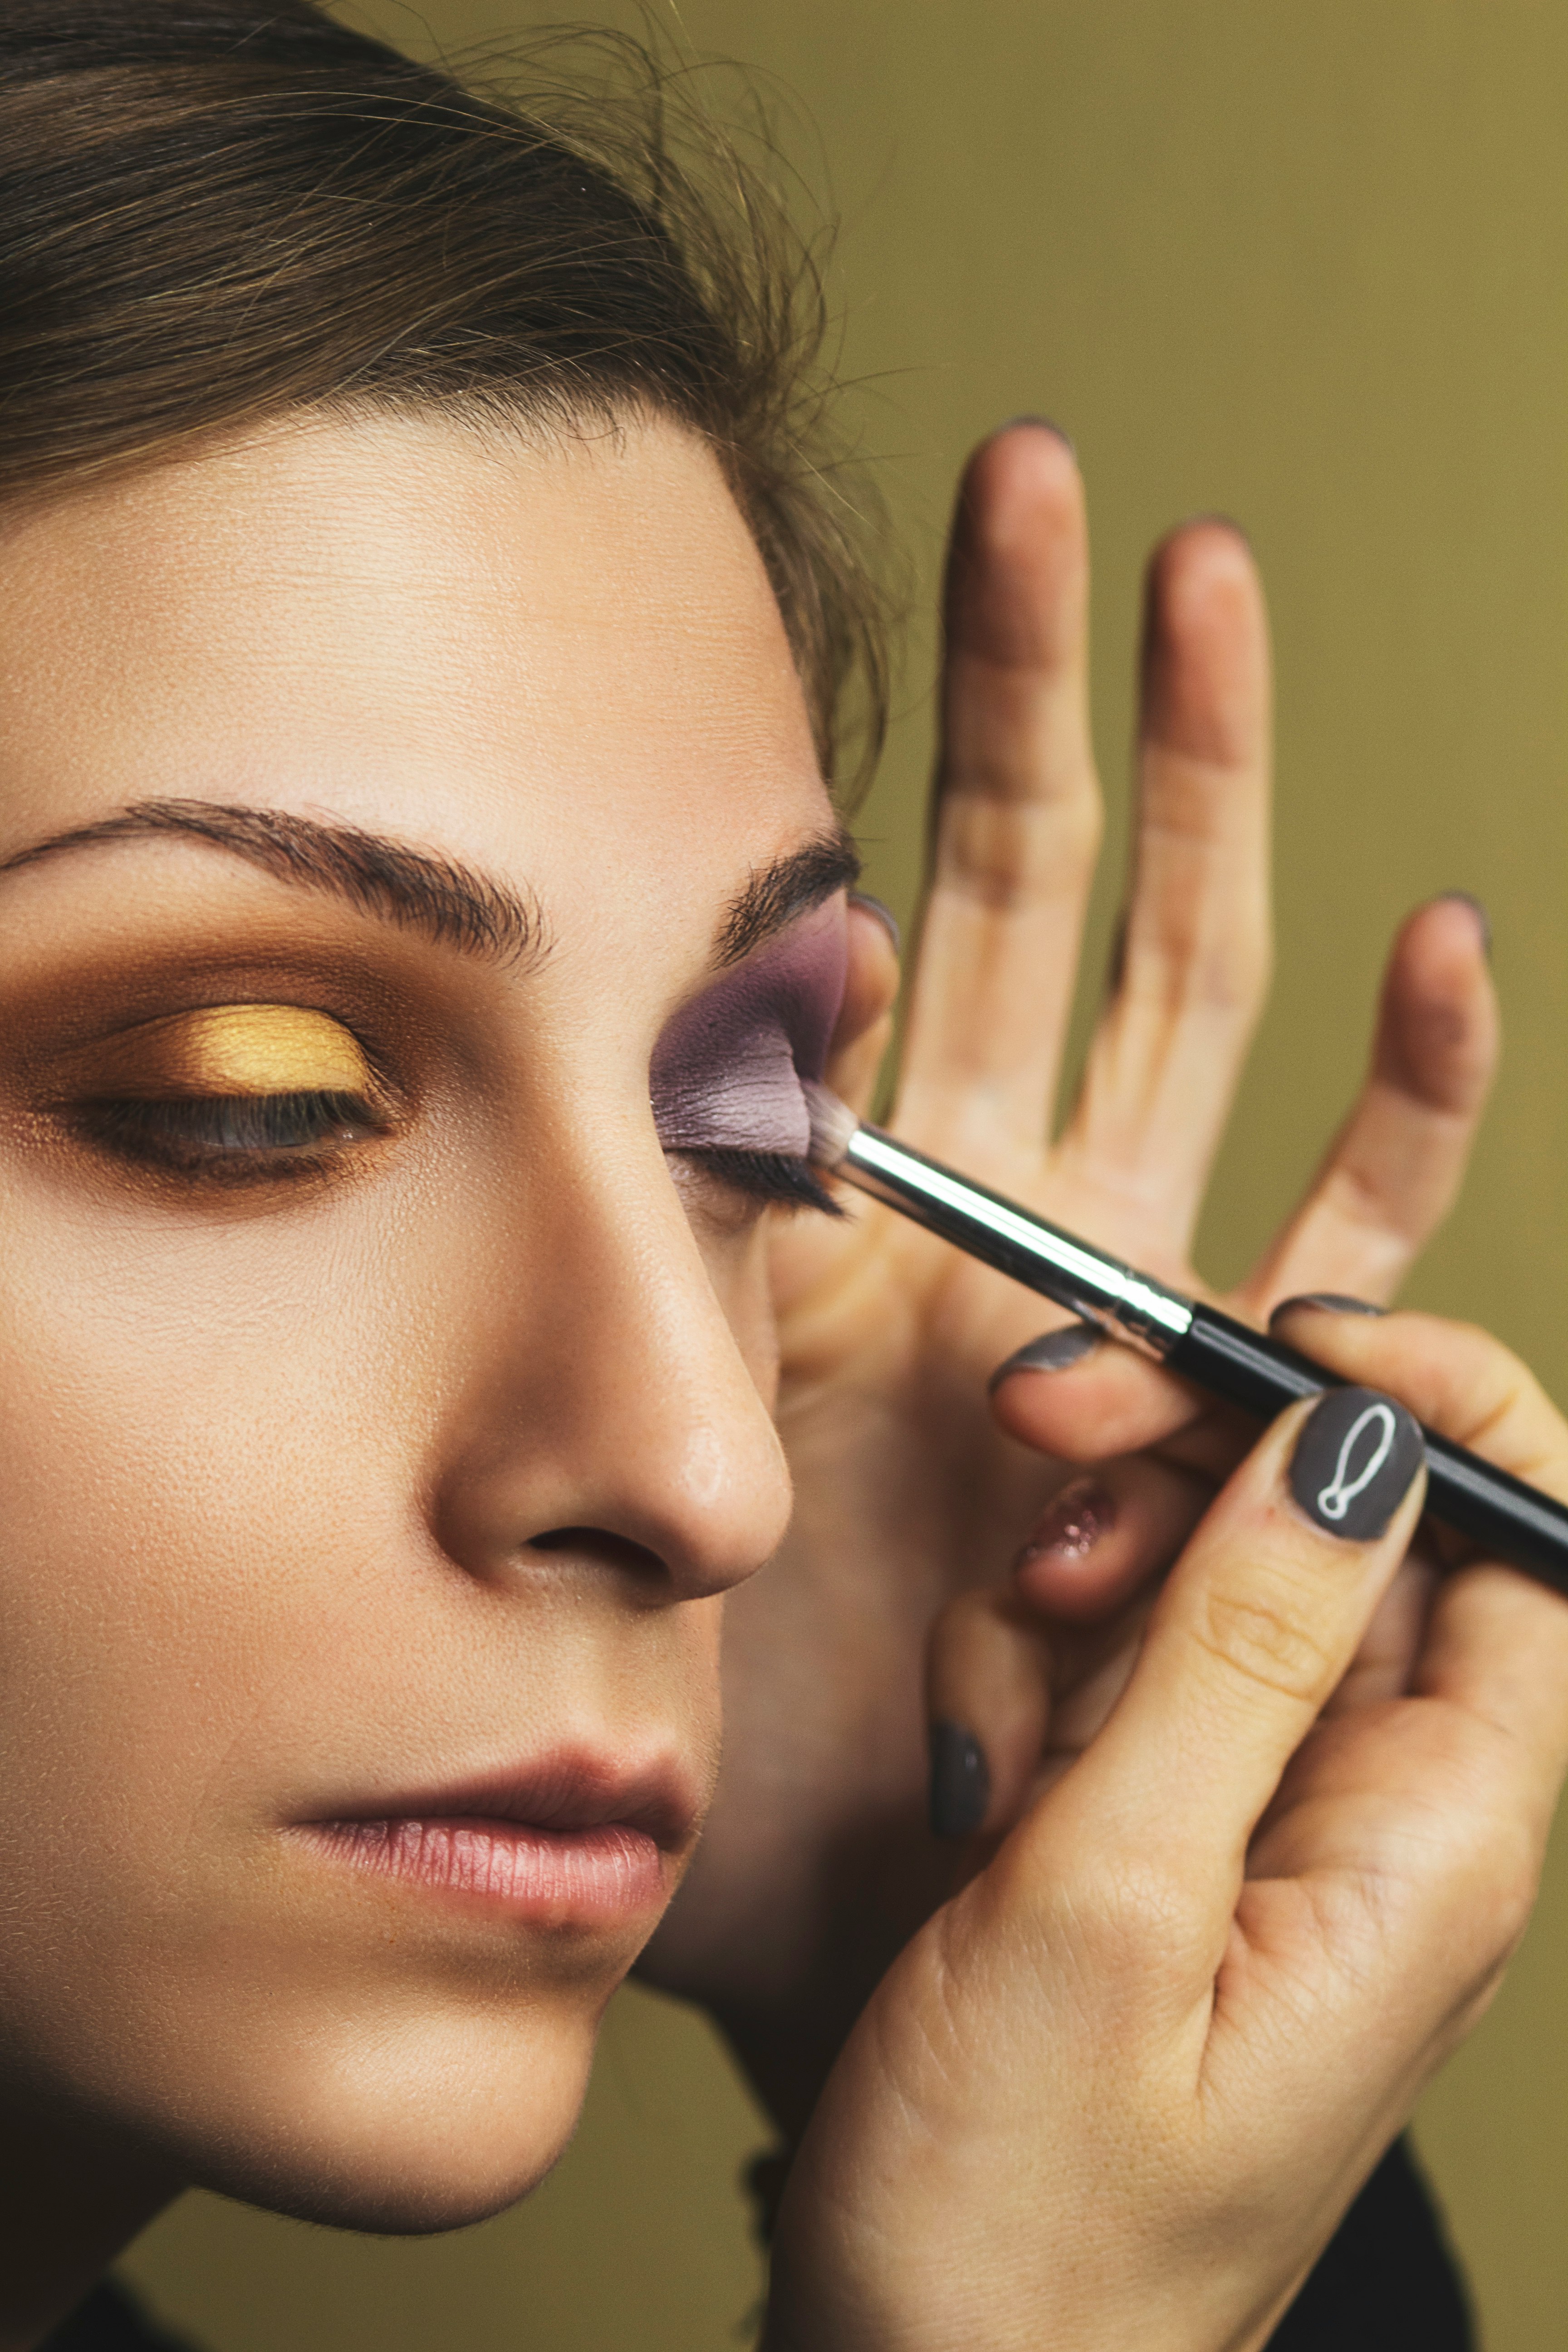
1508,1520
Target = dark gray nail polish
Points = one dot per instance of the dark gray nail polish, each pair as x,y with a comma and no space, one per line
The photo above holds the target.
1478,908
1354,1460
1053,1353
884,915
960,1783
1334,1302
1041,425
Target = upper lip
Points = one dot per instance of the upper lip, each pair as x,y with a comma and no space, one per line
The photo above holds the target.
569,1789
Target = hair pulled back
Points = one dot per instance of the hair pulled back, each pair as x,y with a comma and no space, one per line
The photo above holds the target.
214,214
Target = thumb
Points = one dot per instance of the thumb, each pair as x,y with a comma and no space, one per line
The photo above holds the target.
1254,1630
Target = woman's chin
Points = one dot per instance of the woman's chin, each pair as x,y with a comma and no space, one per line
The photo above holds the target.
398,2141
412,2193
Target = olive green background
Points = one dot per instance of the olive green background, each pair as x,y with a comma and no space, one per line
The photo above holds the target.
1303,264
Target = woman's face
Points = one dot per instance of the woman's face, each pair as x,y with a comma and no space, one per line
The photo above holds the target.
384,1412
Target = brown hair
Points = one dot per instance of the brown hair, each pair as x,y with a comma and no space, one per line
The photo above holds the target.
212,214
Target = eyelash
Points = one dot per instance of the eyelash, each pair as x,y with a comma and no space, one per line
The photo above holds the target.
245,1138
230,1138
769,1176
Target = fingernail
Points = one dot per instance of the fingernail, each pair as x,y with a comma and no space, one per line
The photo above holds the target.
1478,909
884,915
960,1783
1041,425
1073,1524
1052,1352
1353,1463
1332,1302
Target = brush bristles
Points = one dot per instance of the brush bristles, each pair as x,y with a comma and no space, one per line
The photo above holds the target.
833,1125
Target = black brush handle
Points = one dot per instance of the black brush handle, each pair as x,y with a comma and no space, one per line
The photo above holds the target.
1507,1518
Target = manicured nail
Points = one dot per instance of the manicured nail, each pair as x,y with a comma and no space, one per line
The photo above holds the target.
884,915
1478,909
1354,1460
1073,1524
1332,1302
1053,1353
960,1783
1041,425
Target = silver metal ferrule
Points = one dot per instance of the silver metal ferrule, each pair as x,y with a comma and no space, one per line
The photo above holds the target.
1140,1311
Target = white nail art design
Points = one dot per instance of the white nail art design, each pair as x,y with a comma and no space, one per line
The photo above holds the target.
1335,1499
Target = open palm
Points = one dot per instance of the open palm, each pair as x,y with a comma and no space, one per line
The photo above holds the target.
816,1865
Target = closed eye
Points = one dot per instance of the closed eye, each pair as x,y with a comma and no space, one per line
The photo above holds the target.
233,1138
777,1177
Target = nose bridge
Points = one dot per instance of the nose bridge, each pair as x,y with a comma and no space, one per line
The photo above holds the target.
618,1399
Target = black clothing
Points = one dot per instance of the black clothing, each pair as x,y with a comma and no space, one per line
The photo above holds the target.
1387,2282
108,2321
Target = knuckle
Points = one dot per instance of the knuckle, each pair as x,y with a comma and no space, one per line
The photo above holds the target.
1143,1906
1130,1916
1468,1887
1009,846
1501,1888
1510,1904
1138,1948
1257,1638
1231,974
1187,964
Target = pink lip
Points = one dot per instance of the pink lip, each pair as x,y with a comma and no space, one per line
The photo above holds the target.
567,1843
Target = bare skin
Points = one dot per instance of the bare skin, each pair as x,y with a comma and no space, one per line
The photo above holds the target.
381,1467
1211,1950
416,1457
910,1486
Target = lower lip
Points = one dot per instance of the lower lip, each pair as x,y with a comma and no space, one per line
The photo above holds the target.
558,1878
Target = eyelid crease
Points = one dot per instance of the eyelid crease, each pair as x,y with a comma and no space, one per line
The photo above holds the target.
226,1049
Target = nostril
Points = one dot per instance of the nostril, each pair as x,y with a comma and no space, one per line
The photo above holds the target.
596,1547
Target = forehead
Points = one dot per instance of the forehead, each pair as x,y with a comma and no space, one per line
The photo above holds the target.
560,658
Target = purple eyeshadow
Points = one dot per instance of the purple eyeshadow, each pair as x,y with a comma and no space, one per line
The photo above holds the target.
726,1074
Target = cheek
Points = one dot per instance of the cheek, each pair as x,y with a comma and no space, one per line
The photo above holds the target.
173,1483
210,1444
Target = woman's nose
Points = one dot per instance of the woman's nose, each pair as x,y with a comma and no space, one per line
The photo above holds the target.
604,1395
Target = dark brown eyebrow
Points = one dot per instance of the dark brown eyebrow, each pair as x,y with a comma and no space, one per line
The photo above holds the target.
447,900
775,894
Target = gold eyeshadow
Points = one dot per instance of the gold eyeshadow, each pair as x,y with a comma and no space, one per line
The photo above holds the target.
223,1050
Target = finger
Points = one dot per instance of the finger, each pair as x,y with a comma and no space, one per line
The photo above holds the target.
1466,1782
988,1701
1384,1667
1087,1404
1194,960
1459,1381
1393,1172
865,1024
1102,1538
1251,1633
1018,816
1496,1645
1497,1642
